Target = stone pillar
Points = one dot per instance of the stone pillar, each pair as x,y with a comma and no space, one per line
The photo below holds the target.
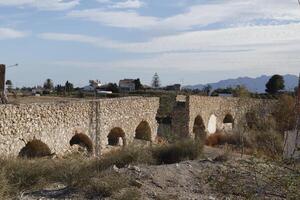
2,84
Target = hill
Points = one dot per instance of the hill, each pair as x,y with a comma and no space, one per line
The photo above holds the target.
253,84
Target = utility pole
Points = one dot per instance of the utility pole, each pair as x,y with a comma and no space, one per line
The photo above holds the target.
297,110
3,97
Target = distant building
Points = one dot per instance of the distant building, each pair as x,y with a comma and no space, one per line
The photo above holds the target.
127,85
175,87
94,85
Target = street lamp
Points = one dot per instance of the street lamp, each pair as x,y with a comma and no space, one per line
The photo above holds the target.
15,65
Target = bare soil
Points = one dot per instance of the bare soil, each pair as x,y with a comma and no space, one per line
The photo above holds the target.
218,175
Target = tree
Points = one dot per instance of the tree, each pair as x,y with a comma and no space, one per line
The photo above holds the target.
138,85
240,91
9,84
48,85
275,84
207,89
155,81
69,87
59,89
112,87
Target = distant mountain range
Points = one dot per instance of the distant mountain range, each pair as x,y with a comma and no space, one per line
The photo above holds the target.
252,84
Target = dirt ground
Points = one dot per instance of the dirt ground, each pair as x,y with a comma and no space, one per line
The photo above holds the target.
218,175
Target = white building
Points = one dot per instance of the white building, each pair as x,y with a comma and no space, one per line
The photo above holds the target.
127,85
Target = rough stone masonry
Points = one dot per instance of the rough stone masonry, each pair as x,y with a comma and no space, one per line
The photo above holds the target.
55,124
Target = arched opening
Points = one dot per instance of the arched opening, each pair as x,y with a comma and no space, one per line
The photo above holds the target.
212,124
143,131
228,122
116,137
83,141
35,149
199,128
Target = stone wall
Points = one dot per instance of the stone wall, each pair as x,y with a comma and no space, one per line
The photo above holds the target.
56,123
204,107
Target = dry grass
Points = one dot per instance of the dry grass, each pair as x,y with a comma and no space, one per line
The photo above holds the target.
90,177
253,179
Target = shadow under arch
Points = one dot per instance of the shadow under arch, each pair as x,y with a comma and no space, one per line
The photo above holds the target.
116,137
35,149
83,141
199,128
143,131
228,122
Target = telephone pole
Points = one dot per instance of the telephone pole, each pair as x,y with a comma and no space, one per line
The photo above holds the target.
297,109
3,97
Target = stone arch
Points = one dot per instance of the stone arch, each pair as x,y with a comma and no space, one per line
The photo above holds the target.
35,149
143,131
83,141
212,124
116,137
199,128
228,122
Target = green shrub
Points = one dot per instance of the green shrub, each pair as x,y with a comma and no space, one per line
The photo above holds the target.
177,152
35,149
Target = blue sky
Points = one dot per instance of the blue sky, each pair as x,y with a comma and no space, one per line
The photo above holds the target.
185,41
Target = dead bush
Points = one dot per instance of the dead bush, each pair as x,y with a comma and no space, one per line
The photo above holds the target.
35,149
83,141
268,143
125,156
220,138
284,113
215,139
105,184
177,152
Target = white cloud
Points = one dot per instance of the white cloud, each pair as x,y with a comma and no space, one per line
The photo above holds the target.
231,39
42,4
133,4
235,12
7,33
129,19
261,49
128,4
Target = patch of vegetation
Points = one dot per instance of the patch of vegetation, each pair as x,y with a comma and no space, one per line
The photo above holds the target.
177,152
85,175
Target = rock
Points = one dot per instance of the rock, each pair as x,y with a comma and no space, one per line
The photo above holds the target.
137,183
116,169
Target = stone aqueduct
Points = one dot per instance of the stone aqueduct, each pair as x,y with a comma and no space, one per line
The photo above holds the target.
113,122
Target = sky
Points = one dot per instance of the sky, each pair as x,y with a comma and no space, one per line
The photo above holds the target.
184,41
